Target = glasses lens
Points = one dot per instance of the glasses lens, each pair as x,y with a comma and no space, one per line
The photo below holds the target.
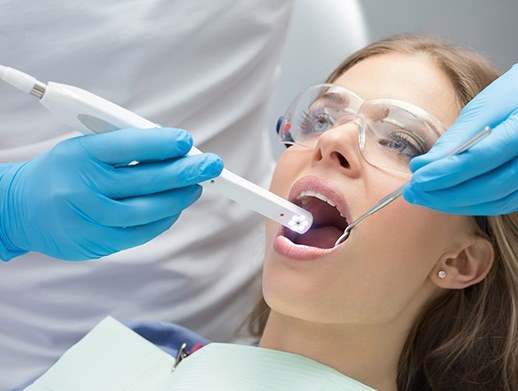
391,132
315,111
394,135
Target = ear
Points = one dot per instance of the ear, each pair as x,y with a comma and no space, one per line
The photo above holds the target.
465,267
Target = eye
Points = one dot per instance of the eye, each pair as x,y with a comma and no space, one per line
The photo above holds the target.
316,121
402,142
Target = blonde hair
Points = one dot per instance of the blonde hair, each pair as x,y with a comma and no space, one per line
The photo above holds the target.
466,339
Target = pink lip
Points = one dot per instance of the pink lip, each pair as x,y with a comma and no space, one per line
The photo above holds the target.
286,247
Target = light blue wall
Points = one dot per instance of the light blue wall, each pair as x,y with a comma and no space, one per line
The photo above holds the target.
489,26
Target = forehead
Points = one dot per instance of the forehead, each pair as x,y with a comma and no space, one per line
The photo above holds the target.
411,78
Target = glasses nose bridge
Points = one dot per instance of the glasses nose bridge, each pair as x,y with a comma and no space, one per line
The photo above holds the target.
358,122
336,145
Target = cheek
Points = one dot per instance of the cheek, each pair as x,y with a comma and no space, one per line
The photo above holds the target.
404,240
386,267
289,164
401,230
416,231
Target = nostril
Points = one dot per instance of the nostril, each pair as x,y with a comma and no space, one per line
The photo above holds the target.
341,159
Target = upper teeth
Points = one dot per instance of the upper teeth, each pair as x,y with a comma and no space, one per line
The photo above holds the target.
303,197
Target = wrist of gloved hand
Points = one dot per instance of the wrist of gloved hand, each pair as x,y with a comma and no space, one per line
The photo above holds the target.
7,250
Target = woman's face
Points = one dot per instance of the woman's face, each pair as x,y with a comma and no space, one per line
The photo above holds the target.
385,269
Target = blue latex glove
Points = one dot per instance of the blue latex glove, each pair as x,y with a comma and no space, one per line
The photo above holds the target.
483,180
81,200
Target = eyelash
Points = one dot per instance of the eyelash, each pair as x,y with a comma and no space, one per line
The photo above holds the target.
307,118
396,135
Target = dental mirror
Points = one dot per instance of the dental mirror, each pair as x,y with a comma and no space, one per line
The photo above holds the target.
397,193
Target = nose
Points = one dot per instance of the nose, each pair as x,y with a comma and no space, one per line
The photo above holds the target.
338,148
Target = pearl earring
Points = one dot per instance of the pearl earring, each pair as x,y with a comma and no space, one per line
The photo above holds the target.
441,274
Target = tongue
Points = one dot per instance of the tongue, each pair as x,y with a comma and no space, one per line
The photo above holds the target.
321,237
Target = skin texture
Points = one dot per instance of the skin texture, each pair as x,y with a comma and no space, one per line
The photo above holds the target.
352,307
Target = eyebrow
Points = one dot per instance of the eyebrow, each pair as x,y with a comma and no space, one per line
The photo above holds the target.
333,97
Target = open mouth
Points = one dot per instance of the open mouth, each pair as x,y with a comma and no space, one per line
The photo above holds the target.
329,221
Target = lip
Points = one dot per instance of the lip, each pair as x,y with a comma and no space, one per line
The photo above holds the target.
286,247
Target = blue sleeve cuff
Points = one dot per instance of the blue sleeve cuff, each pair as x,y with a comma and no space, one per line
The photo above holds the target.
7,252
167,336
6,255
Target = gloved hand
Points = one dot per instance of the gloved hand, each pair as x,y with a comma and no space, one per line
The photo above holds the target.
483,180
81,200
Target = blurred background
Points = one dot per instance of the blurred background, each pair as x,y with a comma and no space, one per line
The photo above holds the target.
490,27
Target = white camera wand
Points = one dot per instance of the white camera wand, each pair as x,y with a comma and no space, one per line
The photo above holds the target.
90,114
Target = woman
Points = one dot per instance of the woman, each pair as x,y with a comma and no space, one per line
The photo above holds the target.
414,299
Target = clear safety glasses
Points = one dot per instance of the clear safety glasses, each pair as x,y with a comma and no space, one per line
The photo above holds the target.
390,132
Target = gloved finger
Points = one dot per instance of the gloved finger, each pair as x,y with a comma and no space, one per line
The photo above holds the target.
493,105
491,187
500,134
142,179
124,146
500,147
507,204
139,210
142,234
